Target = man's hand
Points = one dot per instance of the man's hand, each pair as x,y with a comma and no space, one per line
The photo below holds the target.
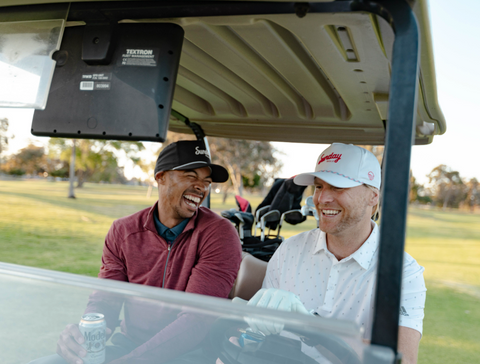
69,345
277,299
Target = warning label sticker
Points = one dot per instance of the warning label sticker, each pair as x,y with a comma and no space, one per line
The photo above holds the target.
143,57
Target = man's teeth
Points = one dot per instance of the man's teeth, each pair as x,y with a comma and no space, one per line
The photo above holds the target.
193,198
330,212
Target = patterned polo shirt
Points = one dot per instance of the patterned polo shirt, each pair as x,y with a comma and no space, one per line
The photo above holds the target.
342,289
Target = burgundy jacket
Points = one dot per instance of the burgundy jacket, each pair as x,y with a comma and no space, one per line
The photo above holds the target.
204,259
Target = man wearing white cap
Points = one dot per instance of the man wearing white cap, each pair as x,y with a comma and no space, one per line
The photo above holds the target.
331,271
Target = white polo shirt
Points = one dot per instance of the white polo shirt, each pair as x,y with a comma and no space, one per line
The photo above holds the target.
342,289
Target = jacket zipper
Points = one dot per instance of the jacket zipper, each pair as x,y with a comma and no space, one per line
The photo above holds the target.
166,264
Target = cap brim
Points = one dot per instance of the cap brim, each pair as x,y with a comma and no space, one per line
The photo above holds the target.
219,173
332,178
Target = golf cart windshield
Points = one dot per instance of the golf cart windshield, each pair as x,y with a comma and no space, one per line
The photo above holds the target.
38,304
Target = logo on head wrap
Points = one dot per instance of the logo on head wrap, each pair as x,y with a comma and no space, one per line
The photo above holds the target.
330,158
202,151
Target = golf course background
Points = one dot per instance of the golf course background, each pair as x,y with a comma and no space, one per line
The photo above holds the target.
40,227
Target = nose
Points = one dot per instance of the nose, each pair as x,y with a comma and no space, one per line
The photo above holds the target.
323,196
202,186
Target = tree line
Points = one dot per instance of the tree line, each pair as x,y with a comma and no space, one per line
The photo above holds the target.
446,189
250,164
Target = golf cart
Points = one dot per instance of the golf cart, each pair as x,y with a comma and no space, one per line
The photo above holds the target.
356,72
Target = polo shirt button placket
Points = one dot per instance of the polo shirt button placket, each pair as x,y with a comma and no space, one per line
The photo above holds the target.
331,287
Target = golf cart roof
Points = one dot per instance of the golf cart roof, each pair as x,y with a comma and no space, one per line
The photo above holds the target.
311,77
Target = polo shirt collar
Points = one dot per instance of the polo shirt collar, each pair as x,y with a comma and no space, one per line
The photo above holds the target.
169,234
150,224
363,256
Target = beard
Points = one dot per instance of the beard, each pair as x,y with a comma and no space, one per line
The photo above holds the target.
352,217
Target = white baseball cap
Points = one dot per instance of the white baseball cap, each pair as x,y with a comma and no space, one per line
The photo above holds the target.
344,166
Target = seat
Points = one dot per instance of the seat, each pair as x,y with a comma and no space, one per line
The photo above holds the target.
250,277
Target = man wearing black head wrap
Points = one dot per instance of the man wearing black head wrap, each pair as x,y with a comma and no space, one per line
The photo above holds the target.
176,244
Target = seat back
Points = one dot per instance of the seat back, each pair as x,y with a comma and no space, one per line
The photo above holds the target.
250,277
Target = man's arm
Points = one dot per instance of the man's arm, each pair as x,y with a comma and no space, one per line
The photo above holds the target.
218,262
214,274
411,310
109,304
408,341
113,267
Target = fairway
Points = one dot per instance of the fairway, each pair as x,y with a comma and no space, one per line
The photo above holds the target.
41,227
447,244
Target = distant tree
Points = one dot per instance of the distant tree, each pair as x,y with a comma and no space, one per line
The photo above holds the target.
414,188
418,192
246,160
96,160
473,194
29,160
448,187
4,137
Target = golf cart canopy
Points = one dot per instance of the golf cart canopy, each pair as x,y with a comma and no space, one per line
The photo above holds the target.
295,72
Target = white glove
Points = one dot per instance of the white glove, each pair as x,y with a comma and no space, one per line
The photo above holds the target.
277,299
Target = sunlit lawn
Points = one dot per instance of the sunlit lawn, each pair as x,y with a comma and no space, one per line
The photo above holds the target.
447,244
40,227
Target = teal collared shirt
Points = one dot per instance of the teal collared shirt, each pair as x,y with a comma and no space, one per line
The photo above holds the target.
169,234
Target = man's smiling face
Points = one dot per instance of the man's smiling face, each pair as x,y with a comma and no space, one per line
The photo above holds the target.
181,193
342,210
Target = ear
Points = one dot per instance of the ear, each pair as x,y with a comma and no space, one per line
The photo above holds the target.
374,197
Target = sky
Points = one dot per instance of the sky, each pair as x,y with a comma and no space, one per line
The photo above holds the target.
455,35
456,45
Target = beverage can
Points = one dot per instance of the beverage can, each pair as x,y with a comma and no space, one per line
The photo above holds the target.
93,328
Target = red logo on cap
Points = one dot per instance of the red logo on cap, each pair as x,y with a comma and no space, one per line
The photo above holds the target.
371,176
330,158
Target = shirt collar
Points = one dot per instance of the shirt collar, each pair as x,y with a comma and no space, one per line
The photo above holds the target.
149,223
169,234
363,255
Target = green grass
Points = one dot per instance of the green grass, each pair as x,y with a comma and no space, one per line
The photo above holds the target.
451,330
40,227
447,244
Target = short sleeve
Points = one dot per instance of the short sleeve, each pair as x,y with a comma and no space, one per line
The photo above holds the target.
412,303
